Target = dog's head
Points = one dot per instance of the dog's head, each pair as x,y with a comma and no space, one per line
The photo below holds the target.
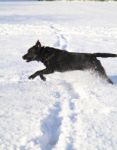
33,53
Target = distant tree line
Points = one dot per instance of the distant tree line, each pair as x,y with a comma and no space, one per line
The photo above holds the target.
78,0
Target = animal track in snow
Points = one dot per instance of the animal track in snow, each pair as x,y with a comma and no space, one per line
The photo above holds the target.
61,40
50,128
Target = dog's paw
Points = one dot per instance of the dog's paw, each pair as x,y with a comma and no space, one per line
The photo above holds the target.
31,77
42,78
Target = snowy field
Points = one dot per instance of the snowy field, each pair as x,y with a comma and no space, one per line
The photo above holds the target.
70,111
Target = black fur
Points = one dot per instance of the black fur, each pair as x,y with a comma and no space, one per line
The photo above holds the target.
61,61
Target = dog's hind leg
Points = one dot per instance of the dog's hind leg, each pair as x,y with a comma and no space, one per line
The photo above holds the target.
101,71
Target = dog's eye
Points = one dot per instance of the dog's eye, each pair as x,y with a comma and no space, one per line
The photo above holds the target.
30,51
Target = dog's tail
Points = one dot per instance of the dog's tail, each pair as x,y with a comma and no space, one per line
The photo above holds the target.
105,55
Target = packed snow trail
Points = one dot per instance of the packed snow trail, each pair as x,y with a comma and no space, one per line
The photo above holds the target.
70,111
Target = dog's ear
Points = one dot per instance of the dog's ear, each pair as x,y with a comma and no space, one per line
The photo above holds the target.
38,44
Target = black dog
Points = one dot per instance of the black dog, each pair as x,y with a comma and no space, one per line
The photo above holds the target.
61,60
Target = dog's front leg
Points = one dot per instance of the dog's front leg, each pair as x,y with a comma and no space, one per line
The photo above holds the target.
43,78
40,73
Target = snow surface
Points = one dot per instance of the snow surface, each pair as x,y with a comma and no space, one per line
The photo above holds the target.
70,111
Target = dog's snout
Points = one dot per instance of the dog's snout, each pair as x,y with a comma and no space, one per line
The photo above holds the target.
24,57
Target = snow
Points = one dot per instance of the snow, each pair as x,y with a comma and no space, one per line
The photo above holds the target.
70,111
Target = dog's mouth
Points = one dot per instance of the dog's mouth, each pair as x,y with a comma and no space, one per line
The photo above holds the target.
28,60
